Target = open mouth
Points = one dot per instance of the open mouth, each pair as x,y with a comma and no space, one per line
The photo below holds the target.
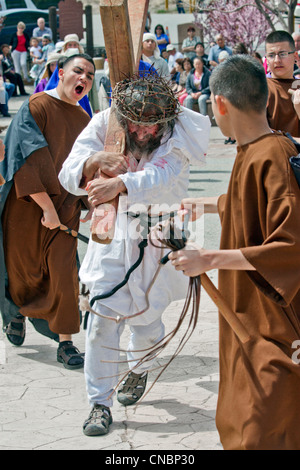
79,89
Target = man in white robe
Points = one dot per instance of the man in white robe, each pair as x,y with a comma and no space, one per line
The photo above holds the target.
160,179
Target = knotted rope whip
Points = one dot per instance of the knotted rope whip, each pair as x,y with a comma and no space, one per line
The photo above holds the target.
176,241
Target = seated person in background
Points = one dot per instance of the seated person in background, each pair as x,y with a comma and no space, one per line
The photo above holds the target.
197,87
216,49
187,67
199,52
9,88
164,54
9,71
173,56
223,56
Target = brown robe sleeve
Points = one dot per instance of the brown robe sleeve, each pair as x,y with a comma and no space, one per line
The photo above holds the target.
37,175
277,258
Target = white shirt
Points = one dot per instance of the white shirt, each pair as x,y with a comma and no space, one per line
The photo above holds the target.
162,180
172,59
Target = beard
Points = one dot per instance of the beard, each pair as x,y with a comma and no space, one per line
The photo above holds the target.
142,147
145,147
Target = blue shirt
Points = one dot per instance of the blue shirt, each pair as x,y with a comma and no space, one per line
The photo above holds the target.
162,46
215,52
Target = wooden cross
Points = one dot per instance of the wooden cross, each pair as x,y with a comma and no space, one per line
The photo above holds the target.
123,23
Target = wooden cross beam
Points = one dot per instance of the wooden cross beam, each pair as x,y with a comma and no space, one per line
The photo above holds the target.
123,23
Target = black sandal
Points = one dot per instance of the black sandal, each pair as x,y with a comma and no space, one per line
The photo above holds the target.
15,330
70,356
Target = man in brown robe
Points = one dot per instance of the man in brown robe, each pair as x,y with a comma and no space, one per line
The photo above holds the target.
281,56
259,274
40,259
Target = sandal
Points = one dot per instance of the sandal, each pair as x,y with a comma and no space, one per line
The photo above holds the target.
132,388
70,356
15,330
98,421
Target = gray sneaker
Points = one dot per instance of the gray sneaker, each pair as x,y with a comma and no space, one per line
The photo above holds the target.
132,388
98,421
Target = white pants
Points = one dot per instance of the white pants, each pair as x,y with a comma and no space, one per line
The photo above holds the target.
20,63
102,337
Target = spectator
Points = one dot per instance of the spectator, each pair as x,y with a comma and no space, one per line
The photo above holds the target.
223,56
161,37
58,46
296,37
240,48
47,48
199,52
164,54
189,43
148,23
40,30
180,7
9,72
50,67
71,41
187,67
151,54
9,88
177,80
173,56
197,86
19,44
258,57
214,52
281,57
36,53
35,50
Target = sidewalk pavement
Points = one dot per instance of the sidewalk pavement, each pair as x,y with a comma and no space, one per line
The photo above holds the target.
43,405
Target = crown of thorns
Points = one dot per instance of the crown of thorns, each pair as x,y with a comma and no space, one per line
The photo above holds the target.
146,100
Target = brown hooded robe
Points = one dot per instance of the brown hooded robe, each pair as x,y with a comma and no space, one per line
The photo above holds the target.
258,406
41,263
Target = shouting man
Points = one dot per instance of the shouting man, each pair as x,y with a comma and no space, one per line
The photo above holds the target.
38,270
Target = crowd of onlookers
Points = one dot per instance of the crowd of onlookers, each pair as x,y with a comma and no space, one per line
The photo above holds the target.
190,68
31,60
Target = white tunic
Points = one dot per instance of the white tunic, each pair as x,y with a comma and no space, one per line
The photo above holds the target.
161,180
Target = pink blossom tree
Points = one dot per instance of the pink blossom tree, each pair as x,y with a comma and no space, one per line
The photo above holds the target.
237,20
